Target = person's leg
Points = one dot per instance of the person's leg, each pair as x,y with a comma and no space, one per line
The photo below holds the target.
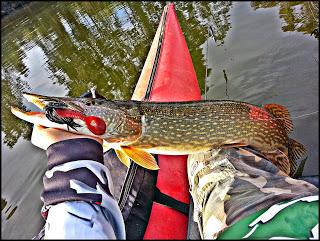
229,185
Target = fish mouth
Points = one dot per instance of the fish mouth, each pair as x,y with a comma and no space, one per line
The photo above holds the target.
57,109
44,102
38,100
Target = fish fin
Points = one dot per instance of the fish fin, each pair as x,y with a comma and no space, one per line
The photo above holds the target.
281,114
280,159
123,157
141,157
295,151
300,169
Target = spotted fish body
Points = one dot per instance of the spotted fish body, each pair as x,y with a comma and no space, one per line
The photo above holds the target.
184,128
179,128
191,127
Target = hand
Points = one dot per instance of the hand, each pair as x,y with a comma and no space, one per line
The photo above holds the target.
43,137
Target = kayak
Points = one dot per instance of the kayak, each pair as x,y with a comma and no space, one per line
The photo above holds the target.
169,75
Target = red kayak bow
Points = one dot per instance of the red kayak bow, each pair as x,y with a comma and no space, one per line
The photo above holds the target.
169,75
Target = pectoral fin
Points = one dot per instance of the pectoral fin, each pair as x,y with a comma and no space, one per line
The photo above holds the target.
141,157
123,157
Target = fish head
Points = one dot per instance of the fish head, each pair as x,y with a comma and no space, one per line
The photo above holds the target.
89,116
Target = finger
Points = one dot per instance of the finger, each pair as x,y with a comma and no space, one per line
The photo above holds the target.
36,137
35,141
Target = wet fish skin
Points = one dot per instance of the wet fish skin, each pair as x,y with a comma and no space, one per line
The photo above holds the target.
188,127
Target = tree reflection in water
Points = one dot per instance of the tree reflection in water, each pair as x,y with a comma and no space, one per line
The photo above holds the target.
297,16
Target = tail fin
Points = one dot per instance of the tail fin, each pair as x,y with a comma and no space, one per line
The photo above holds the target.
295,151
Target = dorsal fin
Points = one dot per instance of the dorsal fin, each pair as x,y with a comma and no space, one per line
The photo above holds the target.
281,114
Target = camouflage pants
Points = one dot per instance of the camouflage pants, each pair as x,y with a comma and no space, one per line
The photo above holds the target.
228,185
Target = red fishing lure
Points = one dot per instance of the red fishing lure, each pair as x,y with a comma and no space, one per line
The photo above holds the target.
95,124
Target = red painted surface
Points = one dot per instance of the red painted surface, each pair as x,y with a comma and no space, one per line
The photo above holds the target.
167,224
175,80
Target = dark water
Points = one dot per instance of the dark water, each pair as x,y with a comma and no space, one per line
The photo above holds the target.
264,52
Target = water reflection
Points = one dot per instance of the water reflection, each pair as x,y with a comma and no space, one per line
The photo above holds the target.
66,48
297,16
220,23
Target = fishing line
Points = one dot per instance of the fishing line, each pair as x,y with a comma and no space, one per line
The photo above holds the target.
206,79
299,116
210,34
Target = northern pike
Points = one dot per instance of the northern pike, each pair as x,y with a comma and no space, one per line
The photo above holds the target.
137,129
